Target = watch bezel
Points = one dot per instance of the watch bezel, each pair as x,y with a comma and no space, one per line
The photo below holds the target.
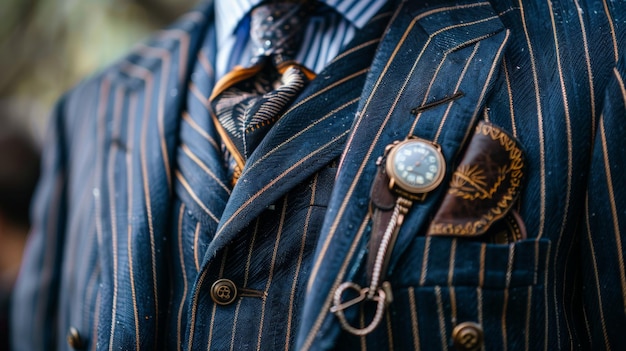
397,183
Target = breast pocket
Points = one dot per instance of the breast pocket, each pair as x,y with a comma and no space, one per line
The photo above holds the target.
469,295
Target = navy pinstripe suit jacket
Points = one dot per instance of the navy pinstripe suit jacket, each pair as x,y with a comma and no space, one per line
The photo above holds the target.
134,220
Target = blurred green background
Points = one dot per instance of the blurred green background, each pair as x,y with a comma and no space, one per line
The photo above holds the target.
47,46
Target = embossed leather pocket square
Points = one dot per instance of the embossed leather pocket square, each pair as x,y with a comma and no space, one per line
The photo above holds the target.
483,189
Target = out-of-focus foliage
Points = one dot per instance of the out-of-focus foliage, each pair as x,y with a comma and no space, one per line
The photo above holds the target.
47,46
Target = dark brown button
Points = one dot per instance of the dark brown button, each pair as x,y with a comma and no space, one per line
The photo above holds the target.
467,336
74,339
224,292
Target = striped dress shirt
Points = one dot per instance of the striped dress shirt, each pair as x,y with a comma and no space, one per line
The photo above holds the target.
328,30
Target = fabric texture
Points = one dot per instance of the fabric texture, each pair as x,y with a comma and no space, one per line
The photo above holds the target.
133,227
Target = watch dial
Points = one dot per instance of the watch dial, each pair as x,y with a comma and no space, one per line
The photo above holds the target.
416,166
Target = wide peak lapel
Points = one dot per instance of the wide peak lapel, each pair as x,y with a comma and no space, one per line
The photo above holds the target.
431,75
307,137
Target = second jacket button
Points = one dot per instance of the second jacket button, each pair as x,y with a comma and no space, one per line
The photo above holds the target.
223,292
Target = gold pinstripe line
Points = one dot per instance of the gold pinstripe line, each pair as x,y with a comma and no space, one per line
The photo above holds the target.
530,291
356,48
250,251
206,64
164,55
481,269
103,97
89,288
456,89
338,279
187,118
389,330
587,326
492,70
196,237
414,321
198,94
509,272
96,319
73,228
300,258
486,115
147,76
212,323
271,271
117,106
183,40
609,19
193,195
277,179
545,295
507,79
182,267
479,306
451,261
362,338
441,319
563,298
245,282
609,181
620,82
194,309
542,153
592,93
568,132
357,117
453,309
452,292
376,137
234,328
129,175
528,313
425,257
204,167
299,133
572,301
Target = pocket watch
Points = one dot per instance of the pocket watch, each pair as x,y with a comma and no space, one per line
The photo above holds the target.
415,167
407,171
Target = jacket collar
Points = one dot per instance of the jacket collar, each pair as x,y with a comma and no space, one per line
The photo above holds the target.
306,138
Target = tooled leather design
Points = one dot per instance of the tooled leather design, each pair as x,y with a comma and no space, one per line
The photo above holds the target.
484,186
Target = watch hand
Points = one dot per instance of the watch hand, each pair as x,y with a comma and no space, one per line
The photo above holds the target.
419,162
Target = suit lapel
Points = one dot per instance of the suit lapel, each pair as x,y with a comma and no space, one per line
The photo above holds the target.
307,137
431,75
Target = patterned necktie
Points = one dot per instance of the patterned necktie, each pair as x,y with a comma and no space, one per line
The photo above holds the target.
247,101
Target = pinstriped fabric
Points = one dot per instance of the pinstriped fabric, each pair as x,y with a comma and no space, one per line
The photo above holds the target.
135,221
541,312
119,118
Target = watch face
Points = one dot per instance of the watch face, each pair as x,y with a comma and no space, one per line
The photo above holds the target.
415,166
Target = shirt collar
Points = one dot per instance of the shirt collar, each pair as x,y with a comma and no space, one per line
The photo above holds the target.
229,13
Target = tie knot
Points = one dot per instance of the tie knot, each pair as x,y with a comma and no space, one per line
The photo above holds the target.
276,28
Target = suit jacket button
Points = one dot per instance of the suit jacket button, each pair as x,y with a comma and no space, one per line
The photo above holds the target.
467,336
224,292
74,339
